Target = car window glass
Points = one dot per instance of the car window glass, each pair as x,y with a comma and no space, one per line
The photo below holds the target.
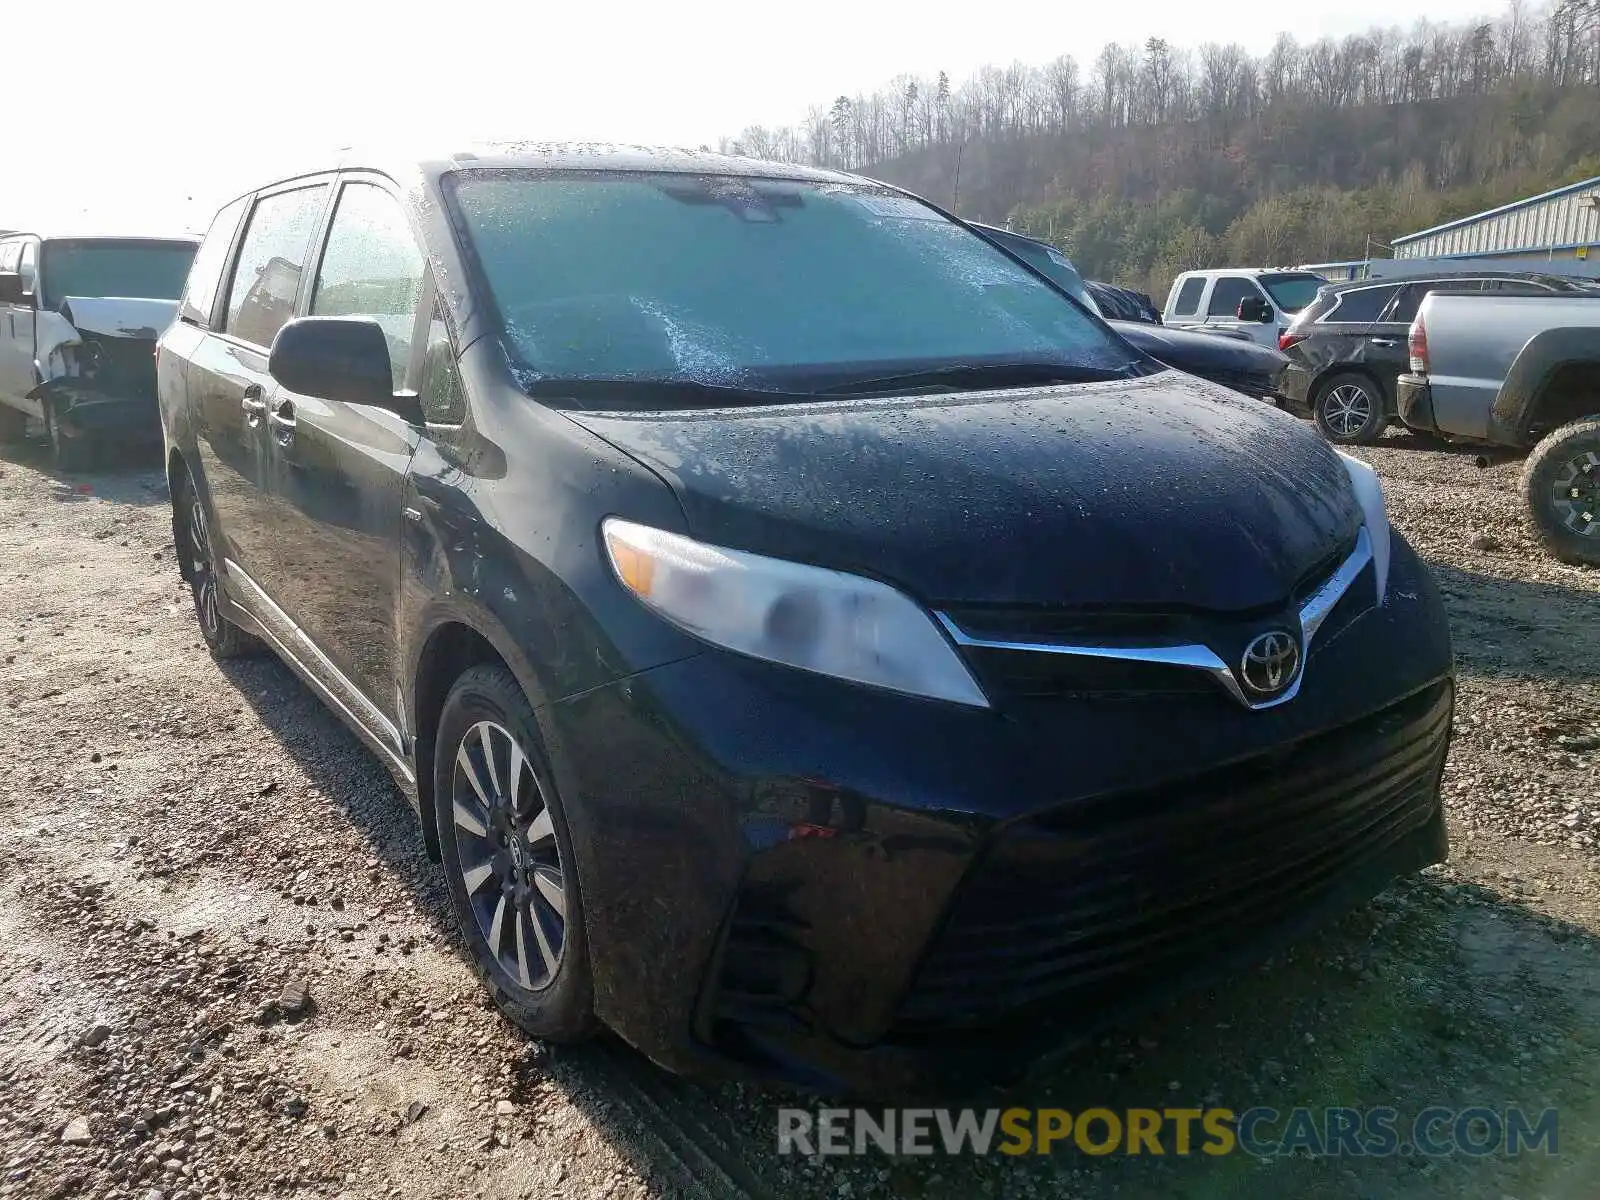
776,285
267,276
440,394
1361,305
1189,297
10,256
1229,291
205,273
372,268
1405,308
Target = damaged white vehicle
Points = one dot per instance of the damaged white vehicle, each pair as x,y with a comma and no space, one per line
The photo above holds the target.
79,319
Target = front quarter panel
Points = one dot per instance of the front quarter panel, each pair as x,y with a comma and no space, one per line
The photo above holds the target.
506,539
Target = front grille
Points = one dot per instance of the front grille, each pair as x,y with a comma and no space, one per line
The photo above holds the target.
1072,911
121,366
1034,672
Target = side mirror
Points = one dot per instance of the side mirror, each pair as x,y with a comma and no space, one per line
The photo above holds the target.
1254,308
339,358
11,289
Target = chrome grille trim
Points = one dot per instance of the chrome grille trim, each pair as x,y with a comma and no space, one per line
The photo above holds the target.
1313,612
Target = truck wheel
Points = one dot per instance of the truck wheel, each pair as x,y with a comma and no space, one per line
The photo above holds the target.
1350,410
68,453
13,424
1561,486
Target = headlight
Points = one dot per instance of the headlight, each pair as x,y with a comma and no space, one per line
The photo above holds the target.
806,617
1370,493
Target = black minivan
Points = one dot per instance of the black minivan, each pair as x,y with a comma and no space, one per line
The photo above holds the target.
816,648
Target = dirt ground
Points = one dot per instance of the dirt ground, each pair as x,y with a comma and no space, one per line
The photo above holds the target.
226,968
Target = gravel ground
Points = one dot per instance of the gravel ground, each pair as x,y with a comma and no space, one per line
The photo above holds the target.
226,968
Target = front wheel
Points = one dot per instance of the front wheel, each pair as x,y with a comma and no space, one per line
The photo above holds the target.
1350,410
508,858
68,453
13,424
1561,487
199,563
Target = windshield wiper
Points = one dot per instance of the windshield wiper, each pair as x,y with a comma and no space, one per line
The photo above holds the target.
625,393
977,377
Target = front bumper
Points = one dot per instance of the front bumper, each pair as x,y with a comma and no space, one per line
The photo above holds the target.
1414,400
788,877
86,410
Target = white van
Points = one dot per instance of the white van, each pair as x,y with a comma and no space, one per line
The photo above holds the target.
79,318
1259,302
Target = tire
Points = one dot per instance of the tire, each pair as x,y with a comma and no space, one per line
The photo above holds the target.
1561,487
509,865
68,454
191,535
1341,403
13,424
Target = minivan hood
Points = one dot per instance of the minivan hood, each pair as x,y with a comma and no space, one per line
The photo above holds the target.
120,316
1191,351
1160,491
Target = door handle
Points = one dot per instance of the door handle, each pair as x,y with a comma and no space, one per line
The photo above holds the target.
254,406
1383,341
281,418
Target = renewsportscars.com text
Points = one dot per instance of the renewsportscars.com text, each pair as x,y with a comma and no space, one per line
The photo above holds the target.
1261,1132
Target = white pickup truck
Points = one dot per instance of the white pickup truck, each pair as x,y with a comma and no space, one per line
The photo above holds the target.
1520,372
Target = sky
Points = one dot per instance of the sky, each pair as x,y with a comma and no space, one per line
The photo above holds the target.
146,117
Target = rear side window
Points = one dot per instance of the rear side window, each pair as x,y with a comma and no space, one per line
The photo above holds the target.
1361,305
205,273
1189,296
1229,291
372,268
267,276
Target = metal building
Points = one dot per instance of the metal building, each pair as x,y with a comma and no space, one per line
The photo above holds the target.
1558,230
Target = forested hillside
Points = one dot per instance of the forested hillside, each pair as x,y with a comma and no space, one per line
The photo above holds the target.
1154,159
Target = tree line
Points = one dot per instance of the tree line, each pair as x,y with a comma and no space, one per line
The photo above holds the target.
1157,158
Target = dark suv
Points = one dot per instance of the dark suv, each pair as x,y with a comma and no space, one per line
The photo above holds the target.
815,647
1347,348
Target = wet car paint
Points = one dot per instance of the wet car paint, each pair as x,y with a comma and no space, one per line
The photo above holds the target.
702,787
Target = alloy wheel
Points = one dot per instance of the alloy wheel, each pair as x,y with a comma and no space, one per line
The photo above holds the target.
511,865
1575,494
1347,409
202,569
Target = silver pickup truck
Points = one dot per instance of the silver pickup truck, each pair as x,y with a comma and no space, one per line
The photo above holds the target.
1520,372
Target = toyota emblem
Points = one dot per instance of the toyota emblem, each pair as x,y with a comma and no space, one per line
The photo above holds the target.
1270,662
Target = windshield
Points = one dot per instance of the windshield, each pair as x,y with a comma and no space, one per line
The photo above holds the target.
755,284
99,268
1291,293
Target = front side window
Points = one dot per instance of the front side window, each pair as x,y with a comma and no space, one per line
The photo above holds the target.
266,278
1189,296
440,393
1410,299
10,257
100,267
205,275
372,268
764,284
1225,296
